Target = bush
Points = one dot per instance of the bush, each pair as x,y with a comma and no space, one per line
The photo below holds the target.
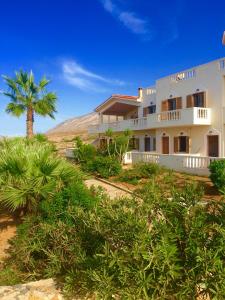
30,172
106,166
217,174
154,248
138,172
84,153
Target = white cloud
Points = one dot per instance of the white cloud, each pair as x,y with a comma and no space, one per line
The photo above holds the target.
134,23
78,76
108,5
130,20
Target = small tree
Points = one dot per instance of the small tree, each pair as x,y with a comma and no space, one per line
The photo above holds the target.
119,145
28,97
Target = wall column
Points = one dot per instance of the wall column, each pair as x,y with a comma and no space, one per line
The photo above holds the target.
100,115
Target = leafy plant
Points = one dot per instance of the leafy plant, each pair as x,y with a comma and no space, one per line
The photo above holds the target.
117,145
139,171
217,174
83,153
149,248
105,166
30,172
29,97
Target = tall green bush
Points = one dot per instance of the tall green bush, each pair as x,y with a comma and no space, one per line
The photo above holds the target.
151,247
217,174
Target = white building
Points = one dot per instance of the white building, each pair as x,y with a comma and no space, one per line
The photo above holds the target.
182,115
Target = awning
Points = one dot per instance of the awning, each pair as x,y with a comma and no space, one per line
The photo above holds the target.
118,105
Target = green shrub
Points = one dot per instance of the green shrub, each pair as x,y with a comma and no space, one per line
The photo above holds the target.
83,153
217,174
30,172
106,166
154,248
138,172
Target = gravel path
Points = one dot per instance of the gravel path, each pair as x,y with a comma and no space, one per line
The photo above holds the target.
112,191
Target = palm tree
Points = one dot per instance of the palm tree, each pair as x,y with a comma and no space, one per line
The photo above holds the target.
28,97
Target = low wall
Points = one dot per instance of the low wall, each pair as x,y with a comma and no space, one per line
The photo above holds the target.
182,163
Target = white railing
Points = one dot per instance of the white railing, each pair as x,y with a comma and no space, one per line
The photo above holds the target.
179,117
202,113
183,163
169,115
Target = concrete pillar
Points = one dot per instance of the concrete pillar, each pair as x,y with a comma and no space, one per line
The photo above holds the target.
141,143
100,118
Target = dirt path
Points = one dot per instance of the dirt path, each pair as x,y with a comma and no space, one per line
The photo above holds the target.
7,230
112,191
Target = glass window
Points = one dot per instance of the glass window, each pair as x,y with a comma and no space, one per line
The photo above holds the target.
199,100
152,109
183,144
172,104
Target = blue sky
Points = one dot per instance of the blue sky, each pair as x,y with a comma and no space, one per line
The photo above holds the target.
93,48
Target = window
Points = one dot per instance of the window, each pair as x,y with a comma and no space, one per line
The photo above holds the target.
153,144
147,144
149,110
181,144
152,109
134,143
172,104
199,100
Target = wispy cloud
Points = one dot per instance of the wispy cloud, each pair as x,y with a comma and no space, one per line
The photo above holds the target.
82,78
134,23
129,19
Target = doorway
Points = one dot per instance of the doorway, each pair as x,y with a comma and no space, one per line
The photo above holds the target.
147,144
165,145
213,145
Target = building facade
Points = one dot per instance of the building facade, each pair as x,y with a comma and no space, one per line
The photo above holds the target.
183,114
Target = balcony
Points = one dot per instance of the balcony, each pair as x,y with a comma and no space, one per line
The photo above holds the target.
132,124
181,117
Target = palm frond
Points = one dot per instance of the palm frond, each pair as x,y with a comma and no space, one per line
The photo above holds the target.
15,109
46,105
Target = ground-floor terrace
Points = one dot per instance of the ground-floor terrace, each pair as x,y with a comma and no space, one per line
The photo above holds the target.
185,149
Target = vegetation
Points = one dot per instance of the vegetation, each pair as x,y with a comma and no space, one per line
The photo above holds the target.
138,172
117,145
105,166
217,174
149,248
30,172
29,97
94,161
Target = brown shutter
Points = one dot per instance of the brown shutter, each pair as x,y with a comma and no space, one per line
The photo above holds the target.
164,105
204,99
190,101
176,144
179,103
145,111
187,144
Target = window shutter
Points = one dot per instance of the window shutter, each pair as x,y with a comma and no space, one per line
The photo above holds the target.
164,105
204,99
187,144
176,144
179,103
145,111
190,101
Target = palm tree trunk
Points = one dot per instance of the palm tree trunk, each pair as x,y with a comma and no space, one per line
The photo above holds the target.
30,121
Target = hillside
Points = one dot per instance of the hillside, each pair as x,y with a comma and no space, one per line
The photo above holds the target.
77,126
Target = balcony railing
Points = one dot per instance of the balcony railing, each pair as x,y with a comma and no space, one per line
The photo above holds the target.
182,163
181,117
